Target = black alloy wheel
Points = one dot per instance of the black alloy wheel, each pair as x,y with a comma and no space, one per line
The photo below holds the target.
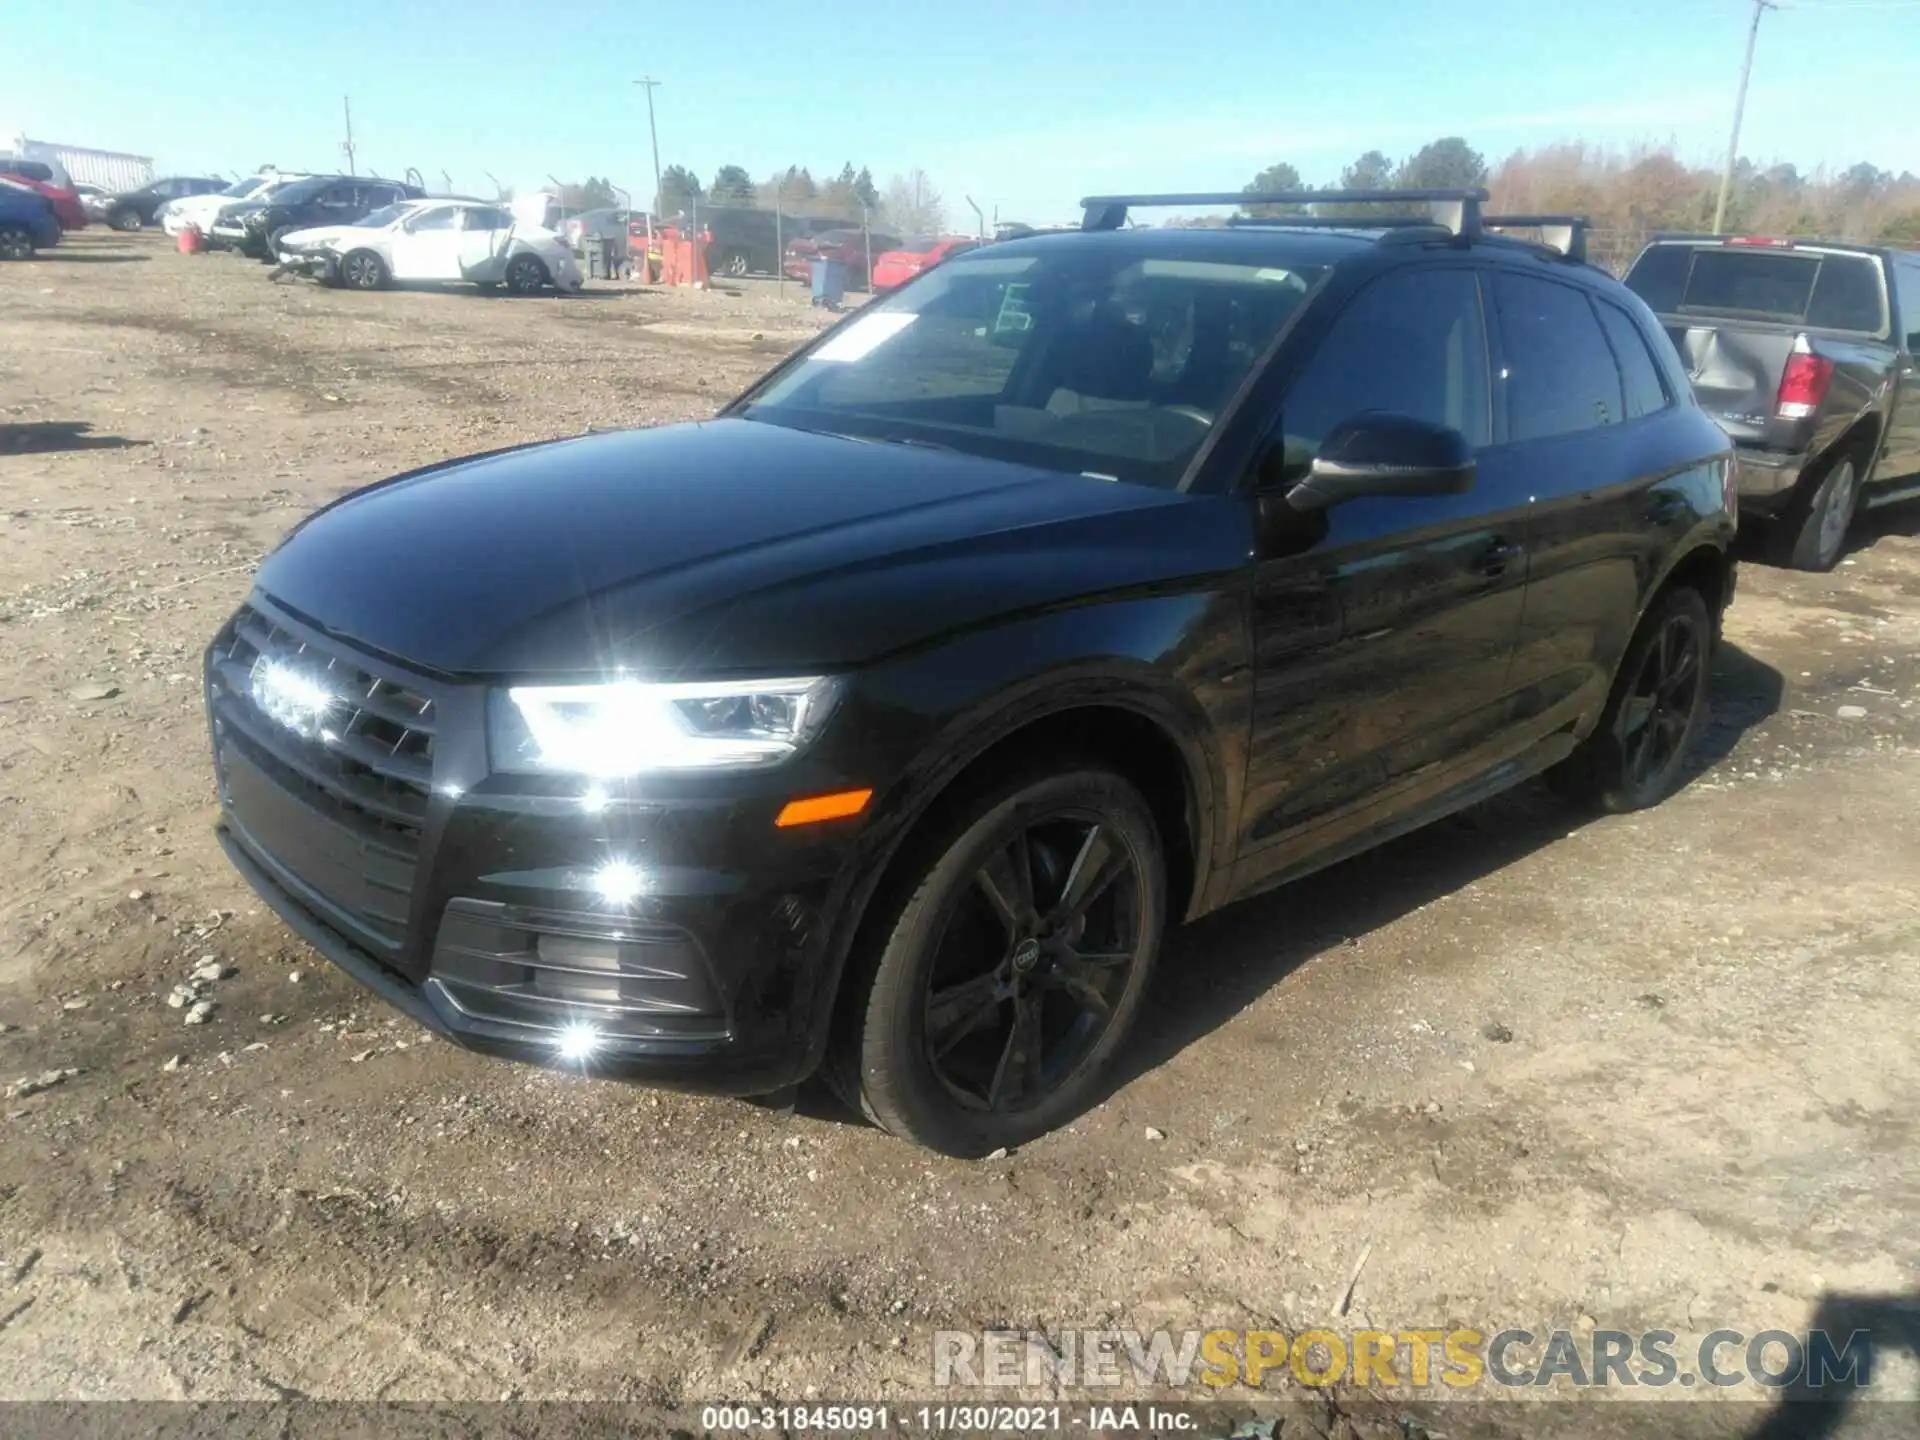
1015,969
1636,755
1652,724
15,243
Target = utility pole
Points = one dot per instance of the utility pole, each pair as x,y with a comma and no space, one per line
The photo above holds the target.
346,104
1760,7
648,83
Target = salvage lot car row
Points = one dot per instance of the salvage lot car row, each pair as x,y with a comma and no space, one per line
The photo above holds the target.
1142,369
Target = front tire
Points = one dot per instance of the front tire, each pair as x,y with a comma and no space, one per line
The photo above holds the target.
1636,756
15,244
364,270
527,275
1816,528
1012,972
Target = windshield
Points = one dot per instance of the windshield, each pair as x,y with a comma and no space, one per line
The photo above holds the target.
1795,287
382,217
1091,360
241,189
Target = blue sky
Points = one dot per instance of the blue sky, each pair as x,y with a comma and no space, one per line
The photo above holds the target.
1024,104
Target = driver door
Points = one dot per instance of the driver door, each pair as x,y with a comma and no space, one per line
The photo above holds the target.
1385,626
427,245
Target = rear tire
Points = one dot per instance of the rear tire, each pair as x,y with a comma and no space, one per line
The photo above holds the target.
1636,756
527,275
1813,533
993,1005
126,219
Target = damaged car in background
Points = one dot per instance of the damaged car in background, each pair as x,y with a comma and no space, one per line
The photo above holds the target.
435,241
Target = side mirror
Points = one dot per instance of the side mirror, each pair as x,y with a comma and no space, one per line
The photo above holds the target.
1382,454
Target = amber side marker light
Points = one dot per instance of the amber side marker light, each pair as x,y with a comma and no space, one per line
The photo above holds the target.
837,806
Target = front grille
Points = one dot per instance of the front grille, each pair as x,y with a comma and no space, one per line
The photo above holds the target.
337,803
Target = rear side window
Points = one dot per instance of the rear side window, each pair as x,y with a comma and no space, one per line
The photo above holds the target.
1846,295
1413,344
1645,395
1906,275
1559,371
1659,276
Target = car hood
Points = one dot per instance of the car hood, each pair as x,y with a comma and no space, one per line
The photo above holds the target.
236,210
727,545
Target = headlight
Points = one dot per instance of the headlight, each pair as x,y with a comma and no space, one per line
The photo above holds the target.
629,727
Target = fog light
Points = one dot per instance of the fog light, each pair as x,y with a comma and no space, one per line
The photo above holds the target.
578,1042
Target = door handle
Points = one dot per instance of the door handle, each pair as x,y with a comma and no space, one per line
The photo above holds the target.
1498,555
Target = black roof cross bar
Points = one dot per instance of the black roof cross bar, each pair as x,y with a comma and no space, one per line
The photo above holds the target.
1334,222
1565,233
1455,211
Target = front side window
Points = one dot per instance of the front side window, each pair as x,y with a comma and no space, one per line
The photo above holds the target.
1097,359
1559,372
1412,343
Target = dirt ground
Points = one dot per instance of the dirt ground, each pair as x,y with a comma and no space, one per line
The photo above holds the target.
1656,1071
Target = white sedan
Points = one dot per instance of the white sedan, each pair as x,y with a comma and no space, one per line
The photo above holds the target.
435,240
201,211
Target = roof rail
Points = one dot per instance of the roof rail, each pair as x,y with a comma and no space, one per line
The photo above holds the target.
1456,211
1565,233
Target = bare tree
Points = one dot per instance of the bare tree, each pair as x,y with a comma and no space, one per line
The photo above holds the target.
912,206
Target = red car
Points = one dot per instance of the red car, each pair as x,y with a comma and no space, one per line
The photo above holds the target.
916,257
65,200
849,247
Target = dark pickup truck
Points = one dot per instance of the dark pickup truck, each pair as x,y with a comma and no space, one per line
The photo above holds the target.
1805,352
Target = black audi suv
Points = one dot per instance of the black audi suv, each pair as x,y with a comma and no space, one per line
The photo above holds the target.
881,725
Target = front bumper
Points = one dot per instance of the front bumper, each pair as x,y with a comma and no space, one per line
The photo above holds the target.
469,900
321,264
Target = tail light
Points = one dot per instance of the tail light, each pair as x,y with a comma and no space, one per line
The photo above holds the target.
1803,385
1765,242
